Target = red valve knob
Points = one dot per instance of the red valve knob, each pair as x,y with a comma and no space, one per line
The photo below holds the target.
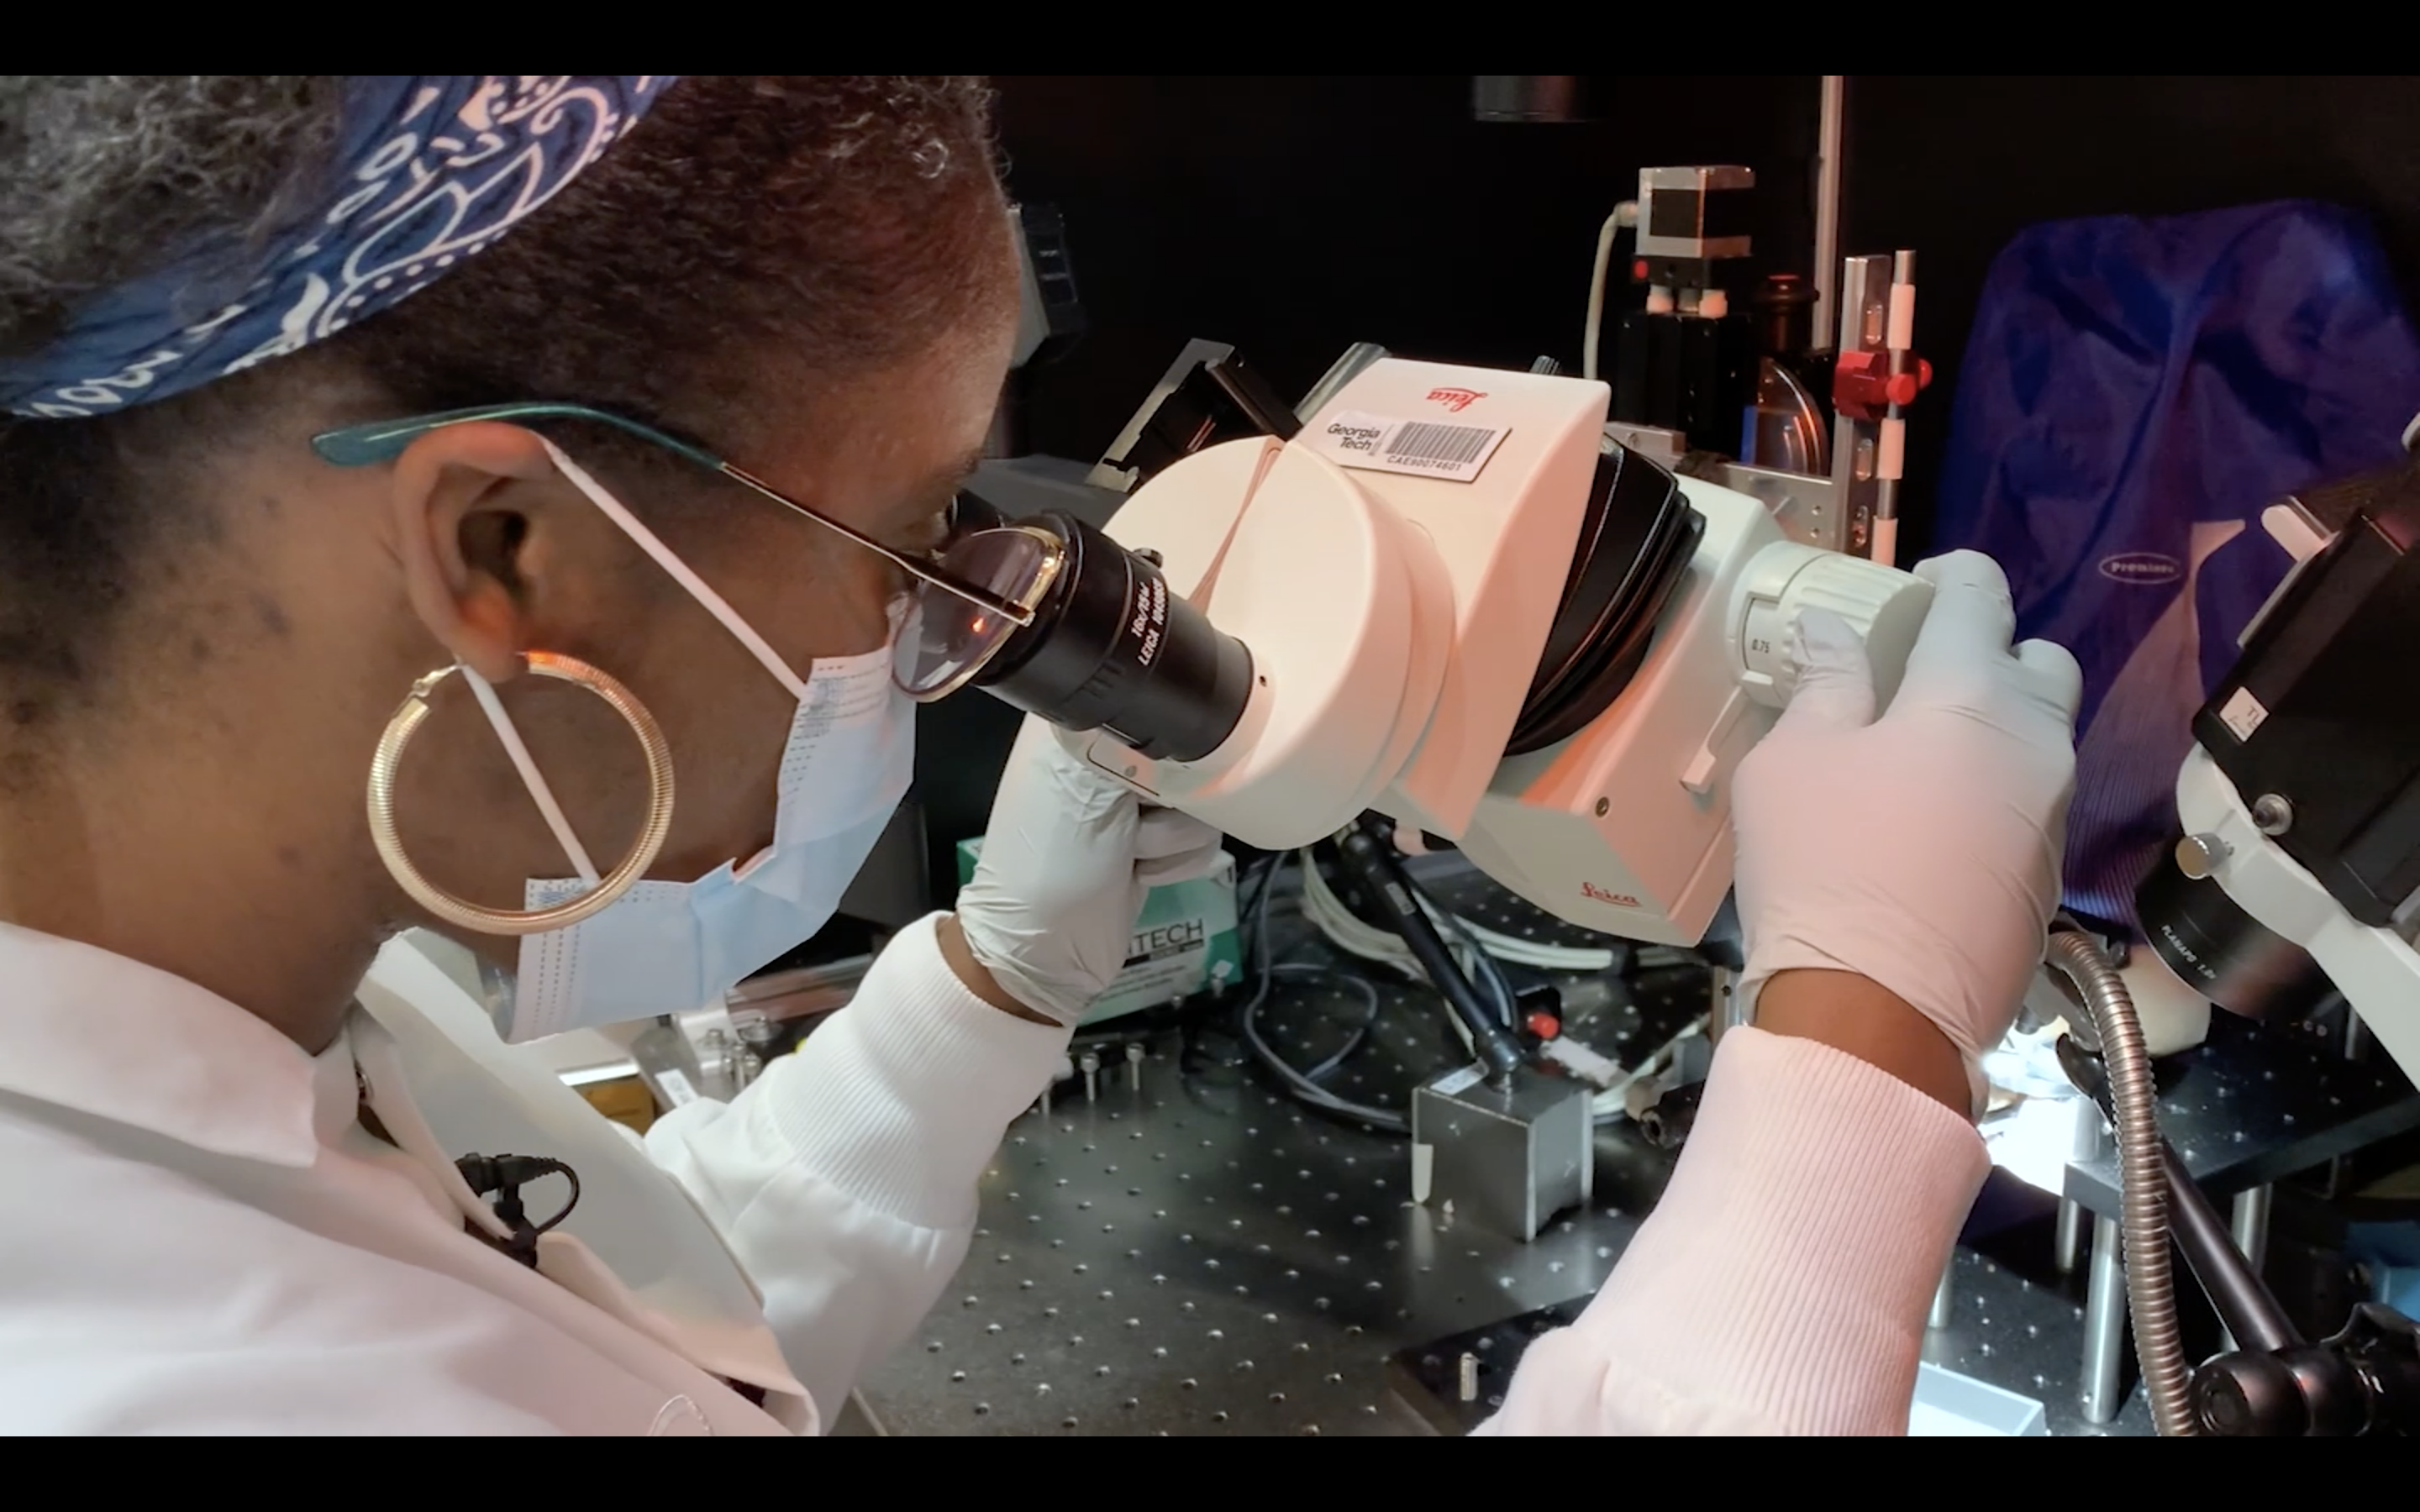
1863,385
1901,388
1545,1025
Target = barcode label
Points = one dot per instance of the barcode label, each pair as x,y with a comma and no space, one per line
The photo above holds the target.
1439,445
1420,448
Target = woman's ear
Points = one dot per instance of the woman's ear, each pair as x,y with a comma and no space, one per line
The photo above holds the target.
463,497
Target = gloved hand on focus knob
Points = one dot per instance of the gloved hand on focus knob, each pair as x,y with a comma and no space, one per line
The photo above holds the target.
1067,863
1920,850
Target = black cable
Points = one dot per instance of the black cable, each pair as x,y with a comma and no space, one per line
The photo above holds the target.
1296,1083
1300,1087
569,1203
1247,914
505,1175
1258,944
1361,1031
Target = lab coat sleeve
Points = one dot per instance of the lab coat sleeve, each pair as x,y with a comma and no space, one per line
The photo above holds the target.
845,1178
1781,1284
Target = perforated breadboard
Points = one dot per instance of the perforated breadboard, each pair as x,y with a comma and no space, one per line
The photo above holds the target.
1200,1256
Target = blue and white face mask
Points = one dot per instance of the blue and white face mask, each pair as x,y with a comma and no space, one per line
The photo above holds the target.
672,947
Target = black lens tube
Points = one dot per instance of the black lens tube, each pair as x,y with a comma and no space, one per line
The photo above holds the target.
1112,648
2221,951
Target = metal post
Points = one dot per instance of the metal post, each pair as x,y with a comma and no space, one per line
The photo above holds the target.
2087,1136
1942,1298
2068,1245
1831,113
2251,1223
1726,1009
2104,1326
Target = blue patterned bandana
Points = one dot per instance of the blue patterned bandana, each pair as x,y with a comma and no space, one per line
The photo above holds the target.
430,169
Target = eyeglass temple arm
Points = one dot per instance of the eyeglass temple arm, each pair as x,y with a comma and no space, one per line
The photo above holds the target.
383,441
378,442
1016,613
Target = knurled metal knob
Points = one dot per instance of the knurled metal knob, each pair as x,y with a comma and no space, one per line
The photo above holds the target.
2202,855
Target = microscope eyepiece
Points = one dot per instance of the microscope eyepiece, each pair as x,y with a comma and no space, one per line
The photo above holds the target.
1108,646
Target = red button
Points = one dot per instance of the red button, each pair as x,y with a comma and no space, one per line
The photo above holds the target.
1545,1025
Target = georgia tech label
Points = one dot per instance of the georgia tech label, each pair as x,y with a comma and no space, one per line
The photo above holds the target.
1354,433
1433,448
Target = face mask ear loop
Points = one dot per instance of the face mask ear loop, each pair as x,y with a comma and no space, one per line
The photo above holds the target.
532,778
696,585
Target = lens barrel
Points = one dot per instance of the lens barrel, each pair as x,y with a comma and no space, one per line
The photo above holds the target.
1112,648
2221,951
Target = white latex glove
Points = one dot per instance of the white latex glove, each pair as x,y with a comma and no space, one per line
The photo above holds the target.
1920,850
1065,865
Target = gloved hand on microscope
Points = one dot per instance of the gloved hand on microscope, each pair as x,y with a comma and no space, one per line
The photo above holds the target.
1895,879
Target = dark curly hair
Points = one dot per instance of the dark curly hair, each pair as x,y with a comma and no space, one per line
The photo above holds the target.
821,225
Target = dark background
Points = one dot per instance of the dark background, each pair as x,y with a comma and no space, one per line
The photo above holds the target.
1954,167
1293,216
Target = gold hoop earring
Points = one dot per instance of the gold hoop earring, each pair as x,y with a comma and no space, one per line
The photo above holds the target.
415,712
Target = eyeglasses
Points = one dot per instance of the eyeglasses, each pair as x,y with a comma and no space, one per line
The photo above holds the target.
989,581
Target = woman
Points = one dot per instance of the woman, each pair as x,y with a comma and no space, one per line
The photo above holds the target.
251,550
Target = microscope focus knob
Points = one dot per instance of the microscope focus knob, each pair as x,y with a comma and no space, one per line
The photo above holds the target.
1884,604
2202,855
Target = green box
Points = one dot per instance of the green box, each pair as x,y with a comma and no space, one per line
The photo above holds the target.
1184,940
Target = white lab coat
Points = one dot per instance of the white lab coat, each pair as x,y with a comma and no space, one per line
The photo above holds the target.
197,1236
201,1237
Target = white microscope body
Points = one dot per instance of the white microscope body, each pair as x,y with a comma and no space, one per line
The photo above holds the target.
1395,570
